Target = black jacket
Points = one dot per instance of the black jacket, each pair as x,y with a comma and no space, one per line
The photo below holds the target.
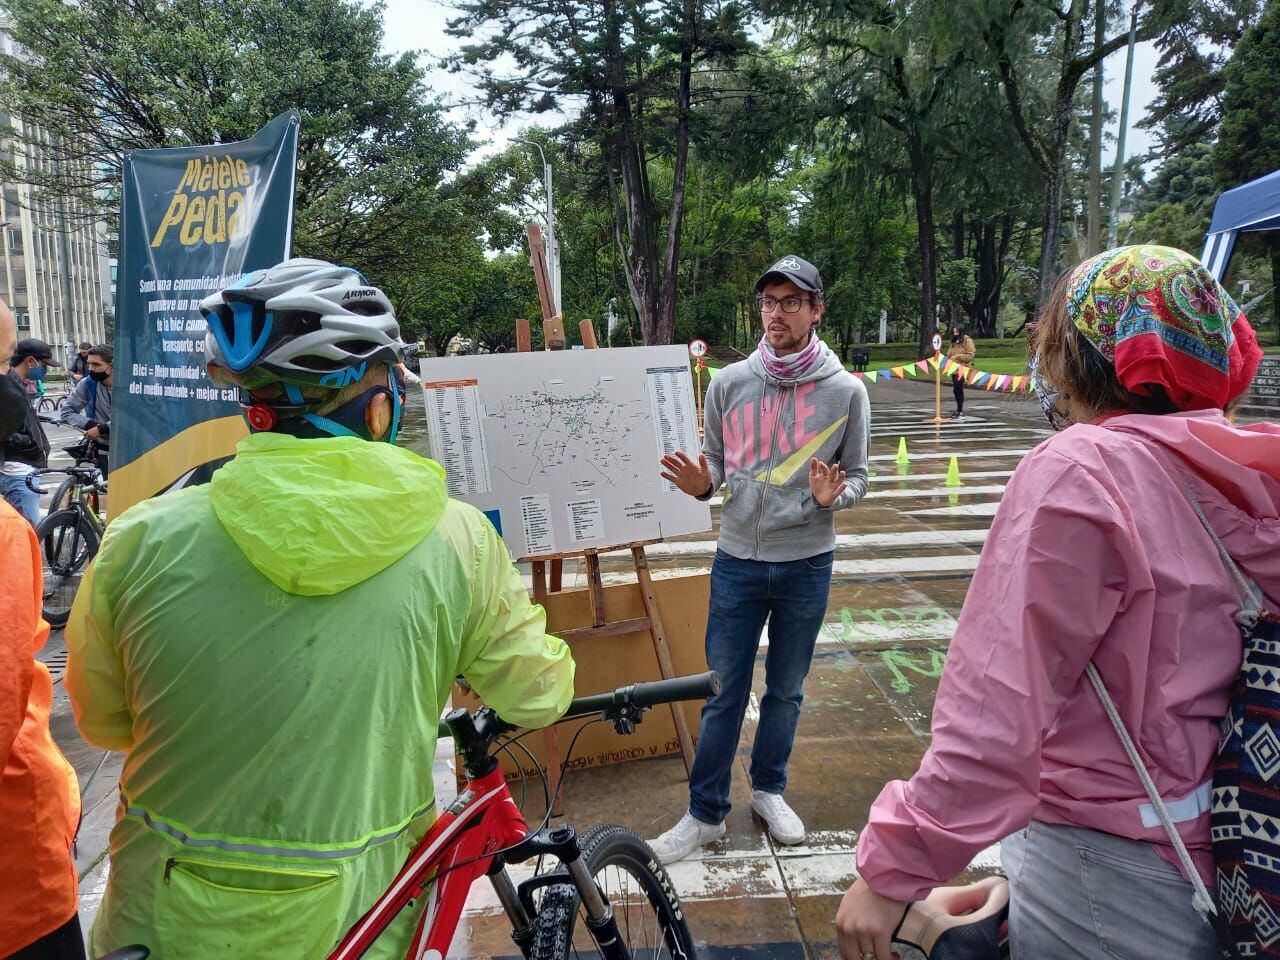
29,445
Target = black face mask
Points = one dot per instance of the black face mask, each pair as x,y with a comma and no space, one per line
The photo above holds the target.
99,375
13,406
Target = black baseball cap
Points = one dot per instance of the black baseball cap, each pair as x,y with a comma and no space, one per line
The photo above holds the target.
37,349
796,269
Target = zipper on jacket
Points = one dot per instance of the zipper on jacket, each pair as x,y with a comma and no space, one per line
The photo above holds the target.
773,457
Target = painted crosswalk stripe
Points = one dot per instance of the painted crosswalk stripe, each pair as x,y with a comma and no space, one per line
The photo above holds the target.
1016,452
961,510
967,475
911,493
823,865
878,566
844,541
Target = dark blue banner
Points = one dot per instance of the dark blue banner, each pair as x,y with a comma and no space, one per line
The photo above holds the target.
192,221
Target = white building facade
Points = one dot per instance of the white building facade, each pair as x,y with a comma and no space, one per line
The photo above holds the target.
53,254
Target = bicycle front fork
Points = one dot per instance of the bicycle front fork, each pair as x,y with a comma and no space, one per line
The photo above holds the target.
561,843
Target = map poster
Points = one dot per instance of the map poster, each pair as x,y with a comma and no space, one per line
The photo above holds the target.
564,446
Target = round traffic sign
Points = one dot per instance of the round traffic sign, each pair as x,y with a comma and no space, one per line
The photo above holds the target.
937,342
698,348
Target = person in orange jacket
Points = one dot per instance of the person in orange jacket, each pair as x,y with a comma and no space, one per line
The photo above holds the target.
39,795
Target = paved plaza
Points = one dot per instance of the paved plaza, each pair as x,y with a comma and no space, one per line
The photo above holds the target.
904,558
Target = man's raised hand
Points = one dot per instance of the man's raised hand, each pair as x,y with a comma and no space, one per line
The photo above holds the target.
825,482
693,478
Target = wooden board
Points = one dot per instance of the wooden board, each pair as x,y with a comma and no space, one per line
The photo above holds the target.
605,663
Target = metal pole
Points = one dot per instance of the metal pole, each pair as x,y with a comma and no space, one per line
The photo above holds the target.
552,248
1117,178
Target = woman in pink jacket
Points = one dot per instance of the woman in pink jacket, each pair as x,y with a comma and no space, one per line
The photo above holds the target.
1095,554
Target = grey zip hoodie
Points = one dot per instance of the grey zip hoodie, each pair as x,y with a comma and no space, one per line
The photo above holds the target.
759,435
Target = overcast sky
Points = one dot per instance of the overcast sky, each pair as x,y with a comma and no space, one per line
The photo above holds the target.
419,25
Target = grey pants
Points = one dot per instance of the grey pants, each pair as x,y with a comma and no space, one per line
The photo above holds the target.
1079,894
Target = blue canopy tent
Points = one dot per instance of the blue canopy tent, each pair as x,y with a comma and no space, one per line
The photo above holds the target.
1250,208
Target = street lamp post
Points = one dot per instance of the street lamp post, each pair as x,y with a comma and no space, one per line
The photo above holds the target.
553,248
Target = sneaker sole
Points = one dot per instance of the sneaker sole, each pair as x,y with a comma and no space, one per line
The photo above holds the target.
668,859
769,830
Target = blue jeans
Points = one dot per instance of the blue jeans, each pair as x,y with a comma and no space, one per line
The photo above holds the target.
21,497
792,596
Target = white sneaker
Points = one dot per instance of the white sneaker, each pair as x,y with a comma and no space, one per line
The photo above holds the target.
784,826
684,838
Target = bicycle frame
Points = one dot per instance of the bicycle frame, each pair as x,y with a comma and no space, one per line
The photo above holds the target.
483,820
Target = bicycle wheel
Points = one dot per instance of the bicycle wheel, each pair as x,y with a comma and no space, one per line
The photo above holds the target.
68,542
61,497
649,916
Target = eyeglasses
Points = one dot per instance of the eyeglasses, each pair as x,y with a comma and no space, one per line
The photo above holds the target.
788,304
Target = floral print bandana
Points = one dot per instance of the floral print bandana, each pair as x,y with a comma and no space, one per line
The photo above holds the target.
1161,319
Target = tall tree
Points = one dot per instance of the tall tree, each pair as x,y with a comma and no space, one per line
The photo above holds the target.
103,77
886,74
1195,40
639,77
1042,57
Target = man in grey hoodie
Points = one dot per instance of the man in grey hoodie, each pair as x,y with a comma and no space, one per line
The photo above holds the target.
786,430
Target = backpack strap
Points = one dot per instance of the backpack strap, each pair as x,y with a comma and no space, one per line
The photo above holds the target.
1250,593
1201,899
91,391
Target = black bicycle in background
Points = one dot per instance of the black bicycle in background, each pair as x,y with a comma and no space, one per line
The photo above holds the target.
69,534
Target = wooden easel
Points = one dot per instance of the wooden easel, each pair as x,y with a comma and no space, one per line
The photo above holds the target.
601,625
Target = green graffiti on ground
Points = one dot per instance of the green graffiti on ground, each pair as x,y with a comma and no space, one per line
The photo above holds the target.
854,623
926,663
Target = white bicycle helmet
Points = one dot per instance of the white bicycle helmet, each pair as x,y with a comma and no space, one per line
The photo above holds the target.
302,321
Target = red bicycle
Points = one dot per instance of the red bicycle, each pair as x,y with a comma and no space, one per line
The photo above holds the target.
608,897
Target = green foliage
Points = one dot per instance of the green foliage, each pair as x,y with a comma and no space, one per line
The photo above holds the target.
102,77
1249,139
1196,40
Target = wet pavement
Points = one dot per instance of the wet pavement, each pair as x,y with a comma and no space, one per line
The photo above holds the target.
904,558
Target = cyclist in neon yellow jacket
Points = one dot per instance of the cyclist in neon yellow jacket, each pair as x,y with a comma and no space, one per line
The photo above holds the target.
273,650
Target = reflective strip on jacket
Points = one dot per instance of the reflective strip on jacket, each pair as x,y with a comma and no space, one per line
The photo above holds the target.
39,795
274,650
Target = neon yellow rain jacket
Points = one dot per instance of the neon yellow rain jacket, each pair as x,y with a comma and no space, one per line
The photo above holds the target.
273,651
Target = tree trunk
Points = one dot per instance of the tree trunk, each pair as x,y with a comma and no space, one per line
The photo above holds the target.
665,321
923,187
1054,185
1093,240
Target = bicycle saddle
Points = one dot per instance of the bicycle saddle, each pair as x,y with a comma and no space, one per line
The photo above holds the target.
958,923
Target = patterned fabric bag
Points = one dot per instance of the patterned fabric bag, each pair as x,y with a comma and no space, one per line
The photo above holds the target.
1245,816
1245,819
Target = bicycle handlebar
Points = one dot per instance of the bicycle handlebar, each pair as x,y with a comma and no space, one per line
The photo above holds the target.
87,474
638,695
695,687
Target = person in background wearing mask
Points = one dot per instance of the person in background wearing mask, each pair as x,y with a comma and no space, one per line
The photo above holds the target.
79,368
89,406
25,449
39,796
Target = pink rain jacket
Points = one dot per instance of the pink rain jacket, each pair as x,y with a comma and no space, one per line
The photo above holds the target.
1094,553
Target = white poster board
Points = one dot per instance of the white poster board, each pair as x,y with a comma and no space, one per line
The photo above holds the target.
561,449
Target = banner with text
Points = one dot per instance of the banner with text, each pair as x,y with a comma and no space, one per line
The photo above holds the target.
192,221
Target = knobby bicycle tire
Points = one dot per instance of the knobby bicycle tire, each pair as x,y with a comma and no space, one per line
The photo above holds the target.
560,929
68,541
61,497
